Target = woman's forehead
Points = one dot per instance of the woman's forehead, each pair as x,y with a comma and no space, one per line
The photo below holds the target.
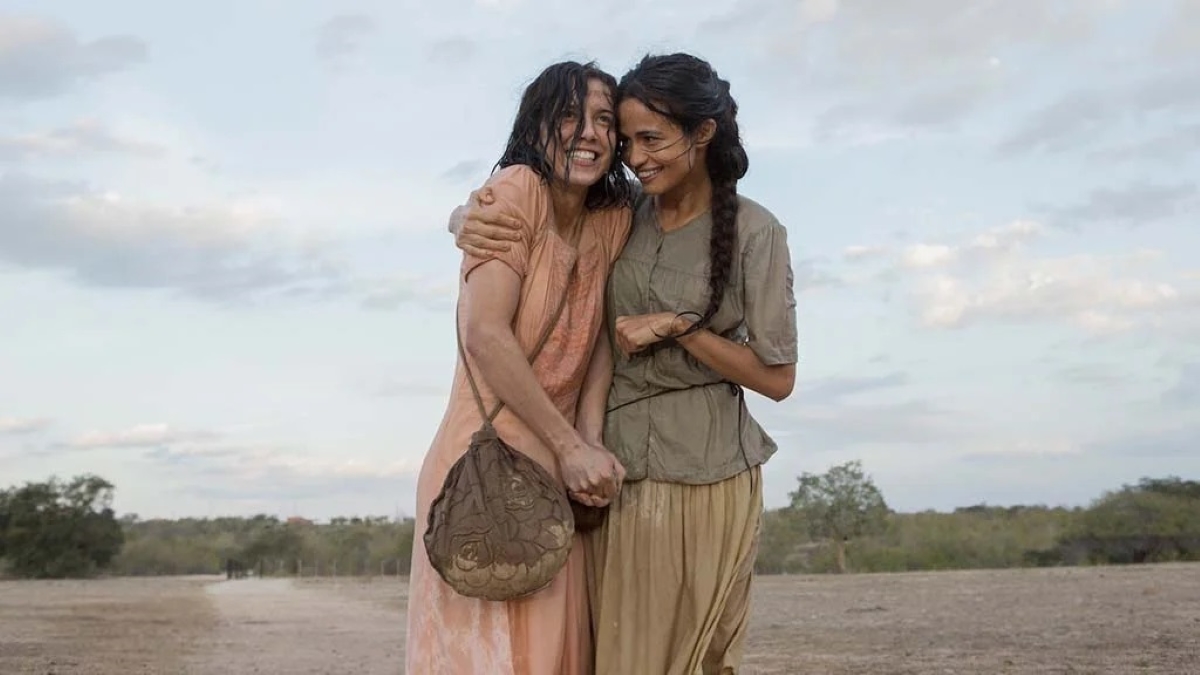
637,115
599,93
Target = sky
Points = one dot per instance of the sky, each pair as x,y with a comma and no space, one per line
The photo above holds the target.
226,283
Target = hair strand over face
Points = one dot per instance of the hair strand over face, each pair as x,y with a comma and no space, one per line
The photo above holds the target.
557,91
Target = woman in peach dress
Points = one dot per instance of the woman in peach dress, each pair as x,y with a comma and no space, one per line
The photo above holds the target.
561,180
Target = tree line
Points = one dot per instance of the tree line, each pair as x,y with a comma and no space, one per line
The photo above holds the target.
837,521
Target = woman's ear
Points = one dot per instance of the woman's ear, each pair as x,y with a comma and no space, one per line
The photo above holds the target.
704,134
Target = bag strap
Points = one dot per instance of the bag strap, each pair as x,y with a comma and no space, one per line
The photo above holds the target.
537,349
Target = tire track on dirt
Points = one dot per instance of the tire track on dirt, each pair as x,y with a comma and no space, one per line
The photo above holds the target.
270,626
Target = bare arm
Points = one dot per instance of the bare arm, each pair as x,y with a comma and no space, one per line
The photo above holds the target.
735,362
738,363
493,290
593,400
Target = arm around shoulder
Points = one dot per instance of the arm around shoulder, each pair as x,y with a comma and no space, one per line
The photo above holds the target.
521,197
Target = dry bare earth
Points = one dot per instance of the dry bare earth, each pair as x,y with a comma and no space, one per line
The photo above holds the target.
1076,620
303,628
126,626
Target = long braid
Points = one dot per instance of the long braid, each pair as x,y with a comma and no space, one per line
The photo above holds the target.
727,163
722,244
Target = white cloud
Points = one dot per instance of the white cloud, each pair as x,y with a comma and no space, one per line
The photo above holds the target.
995,275
928,255
861,252
40,58
1133,205
1181,33
888,71
20,426
994,242
1185,393
813,12
1023,449
275,180
139,436
268,475
262,462
1081,117
1175,146
389,294
342,35
1098,293
917,37
217,251
83,137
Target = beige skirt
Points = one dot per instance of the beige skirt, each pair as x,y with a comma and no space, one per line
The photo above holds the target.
669,576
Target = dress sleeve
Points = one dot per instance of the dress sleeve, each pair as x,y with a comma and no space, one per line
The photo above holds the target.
519,193
769,300
618,223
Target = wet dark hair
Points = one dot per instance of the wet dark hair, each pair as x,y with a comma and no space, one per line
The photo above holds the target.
558,91
688,91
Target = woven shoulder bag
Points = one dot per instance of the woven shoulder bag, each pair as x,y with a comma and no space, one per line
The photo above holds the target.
501,527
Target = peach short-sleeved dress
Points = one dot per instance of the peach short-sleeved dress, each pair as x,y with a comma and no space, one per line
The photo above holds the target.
549,632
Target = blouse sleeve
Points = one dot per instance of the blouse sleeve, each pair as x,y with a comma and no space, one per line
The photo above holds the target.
519,193
618,222
770,302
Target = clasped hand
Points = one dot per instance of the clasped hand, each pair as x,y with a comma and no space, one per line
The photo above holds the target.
592,474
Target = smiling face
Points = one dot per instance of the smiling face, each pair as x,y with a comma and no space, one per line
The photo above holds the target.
587,138
658,150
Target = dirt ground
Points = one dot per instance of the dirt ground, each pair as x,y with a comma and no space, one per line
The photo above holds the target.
1074,620
127,626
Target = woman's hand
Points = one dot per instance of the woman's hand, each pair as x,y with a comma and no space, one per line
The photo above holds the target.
635,333
593,475
483,228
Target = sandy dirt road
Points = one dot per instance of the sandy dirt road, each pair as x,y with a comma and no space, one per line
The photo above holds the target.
1113,620
103,627
283,626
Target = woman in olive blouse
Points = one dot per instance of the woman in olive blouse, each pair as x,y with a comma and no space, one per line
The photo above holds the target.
699,305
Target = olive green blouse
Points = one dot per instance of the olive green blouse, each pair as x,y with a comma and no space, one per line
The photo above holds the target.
671,418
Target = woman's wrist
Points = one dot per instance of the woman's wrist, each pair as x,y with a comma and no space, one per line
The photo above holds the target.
592,433
679,324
